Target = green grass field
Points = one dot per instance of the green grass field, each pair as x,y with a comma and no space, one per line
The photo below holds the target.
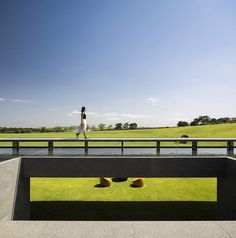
159,199
85,189
220,131
174,189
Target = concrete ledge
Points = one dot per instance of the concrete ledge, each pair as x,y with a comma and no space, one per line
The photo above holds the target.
8,181
185,229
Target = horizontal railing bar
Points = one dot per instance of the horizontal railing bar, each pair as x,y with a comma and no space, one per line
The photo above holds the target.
116,147
117,139
40,147
143,147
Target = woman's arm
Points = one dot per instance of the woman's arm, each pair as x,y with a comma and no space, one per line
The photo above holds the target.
81,117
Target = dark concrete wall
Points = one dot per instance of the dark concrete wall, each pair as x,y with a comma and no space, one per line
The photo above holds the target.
22,197
226,191
123,167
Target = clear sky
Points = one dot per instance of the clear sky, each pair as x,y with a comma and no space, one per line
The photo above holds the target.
151,62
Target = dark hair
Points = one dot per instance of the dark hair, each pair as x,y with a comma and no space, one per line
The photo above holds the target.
83,109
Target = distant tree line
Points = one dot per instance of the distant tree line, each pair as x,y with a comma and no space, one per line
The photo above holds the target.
127,125
206,120
36,130
118,126
100,127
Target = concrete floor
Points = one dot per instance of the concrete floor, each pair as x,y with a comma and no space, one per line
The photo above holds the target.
122,229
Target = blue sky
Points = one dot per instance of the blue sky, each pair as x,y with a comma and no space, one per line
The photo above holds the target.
151,62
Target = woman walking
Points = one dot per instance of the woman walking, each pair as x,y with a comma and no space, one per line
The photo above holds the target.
83,124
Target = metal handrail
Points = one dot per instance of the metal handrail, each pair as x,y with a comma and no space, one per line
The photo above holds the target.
116,139
16,143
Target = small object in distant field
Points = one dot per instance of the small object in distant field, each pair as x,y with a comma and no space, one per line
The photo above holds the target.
105,182
138,183
184,141
119,179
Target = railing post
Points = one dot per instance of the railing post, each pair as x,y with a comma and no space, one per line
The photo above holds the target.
86,147
122,147
230,148
15,147
50,147
158,143
194,147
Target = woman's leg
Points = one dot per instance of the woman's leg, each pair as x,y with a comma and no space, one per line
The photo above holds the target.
77,134
85,135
